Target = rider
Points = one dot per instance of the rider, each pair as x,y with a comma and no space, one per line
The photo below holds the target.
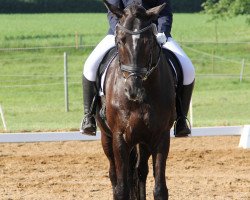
164,24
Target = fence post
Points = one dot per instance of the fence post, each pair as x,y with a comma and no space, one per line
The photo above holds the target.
81,41
66,82
3,119
213,61
242,69
76,40
216,32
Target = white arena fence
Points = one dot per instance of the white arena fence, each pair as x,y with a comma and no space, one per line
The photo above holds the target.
243,131
73,136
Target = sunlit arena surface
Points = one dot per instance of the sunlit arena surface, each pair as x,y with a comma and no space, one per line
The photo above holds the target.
197,168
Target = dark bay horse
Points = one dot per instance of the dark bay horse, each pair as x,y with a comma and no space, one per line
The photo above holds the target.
140,106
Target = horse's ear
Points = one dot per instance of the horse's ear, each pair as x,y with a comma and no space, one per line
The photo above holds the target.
154,12
115,10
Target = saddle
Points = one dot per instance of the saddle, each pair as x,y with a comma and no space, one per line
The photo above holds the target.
101,72
176,68
100,85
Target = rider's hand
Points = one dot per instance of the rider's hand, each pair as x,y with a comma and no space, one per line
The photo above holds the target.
161,38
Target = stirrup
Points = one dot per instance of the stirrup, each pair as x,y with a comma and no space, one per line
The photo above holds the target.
88,130
189,127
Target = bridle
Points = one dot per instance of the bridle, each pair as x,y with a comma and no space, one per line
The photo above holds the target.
142,72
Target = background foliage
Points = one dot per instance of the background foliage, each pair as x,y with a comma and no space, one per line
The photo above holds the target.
227,8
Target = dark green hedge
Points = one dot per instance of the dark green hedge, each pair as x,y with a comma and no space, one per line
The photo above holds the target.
79,6
51,6
187,6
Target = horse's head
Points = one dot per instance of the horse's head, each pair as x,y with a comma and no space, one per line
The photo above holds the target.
138,50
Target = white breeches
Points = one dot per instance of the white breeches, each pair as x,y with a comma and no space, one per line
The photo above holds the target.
95,58
93,61
187,66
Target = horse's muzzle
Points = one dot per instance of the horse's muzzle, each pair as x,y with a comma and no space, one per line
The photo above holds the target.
135,91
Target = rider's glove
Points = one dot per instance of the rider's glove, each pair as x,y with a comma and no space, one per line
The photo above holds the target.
161,38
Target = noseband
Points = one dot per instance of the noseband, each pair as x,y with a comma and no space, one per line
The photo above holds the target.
141,72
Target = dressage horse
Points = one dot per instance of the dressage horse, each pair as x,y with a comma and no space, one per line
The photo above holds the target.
139,105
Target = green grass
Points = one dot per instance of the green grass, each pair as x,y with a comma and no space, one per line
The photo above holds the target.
31,81
221,102
32,90
26,30
22,30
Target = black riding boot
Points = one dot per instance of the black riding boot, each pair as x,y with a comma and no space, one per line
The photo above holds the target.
182,106
88,125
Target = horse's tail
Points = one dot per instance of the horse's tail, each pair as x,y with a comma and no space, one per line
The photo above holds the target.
133,173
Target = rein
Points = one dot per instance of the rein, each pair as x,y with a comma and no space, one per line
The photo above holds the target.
142,72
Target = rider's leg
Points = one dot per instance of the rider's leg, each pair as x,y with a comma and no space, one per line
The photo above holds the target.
182,107
88,125
184,98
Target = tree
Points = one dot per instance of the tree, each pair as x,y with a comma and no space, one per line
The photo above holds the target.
227,8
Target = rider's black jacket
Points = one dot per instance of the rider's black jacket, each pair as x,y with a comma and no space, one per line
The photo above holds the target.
164,22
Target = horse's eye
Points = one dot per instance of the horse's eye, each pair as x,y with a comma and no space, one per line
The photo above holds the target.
123,40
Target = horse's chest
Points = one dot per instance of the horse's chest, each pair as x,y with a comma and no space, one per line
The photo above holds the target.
142,117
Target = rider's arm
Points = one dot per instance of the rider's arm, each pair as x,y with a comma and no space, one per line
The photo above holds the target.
111,17
165,18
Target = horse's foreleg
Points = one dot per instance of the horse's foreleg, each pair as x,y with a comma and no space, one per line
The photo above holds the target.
144,155
108,150
120,150
159,166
